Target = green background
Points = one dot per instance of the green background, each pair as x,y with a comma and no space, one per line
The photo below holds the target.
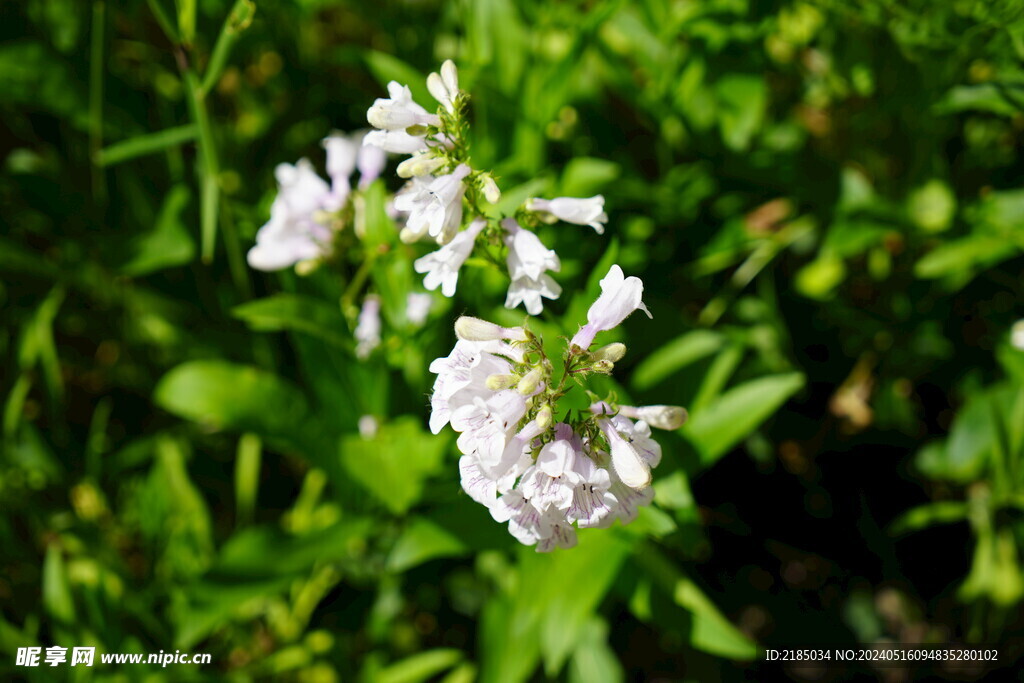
823,199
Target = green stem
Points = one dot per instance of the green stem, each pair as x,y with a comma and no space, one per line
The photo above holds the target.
208,167
237,21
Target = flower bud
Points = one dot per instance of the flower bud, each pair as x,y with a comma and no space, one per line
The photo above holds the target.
1017,335
544,417
490,188
500,382
419,164
528,384
468,328
605,366
612,352
307,267
662,417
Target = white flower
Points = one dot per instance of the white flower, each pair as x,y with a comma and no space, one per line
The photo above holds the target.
484,425
548,530
628,501
445,88
1017,335
593,505
442,266
368,426
367,332
462,377
573,210
293,233
628,465
551,481
528,260
342,152
638,435
394,141
530,292
562,536
399,111
620,296
434,207
527,255
300,188
417,307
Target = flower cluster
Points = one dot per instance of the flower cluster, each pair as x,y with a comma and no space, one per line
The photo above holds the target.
546,478
444,197
308,212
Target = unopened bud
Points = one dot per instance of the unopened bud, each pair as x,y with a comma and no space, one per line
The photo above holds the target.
500,382
605,366
528,384
1017,335
468,328
419,164
415,130
662,417
544,417
307,267
612,352
490,189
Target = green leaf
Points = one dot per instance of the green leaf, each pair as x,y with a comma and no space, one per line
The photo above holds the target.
262,552
423,540
716,429
395,464
742,102
419,667
961,258
169,244
985,97
594,661
674,356
223,395
151,143
296,313
924,516
587,176
56,590
710,630
548,610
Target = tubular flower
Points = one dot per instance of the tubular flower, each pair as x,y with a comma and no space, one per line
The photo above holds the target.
542,477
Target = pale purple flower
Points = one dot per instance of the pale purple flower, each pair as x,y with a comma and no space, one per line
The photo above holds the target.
417,307
367,332
620,296
484,425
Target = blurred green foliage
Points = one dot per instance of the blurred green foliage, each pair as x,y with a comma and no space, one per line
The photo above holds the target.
823,199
